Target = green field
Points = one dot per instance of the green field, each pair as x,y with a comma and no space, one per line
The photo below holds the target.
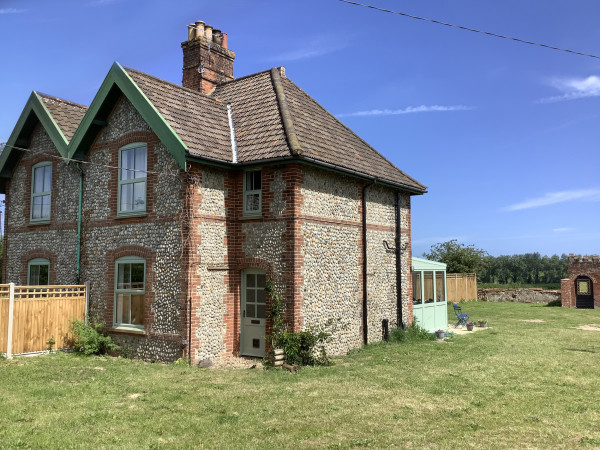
516,385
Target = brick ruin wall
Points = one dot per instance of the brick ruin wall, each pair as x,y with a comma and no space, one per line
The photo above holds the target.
587,266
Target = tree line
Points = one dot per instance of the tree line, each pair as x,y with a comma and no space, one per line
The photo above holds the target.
528,268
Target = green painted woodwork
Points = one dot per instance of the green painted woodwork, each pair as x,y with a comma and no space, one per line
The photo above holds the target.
429,302
119,82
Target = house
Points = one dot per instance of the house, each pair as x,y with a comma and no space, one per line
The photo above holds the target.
177,203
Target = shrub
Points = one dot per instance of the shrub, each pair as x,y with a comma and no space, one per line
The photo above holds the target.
89,340
306,348
411,334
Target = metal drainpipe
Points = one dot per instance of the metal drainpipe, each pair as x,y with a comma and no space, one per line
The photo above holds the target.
399,321
78,264
364,268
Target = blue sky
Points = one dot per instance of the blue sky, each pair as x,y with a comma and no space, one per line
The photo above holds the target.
505,135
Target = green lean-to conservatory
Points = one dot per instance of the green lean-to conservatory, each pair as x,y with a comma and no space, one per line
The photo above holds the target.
429,294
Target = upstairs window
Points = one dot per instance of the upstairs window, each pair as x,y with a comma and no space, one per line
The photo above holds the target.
41,192
252,192
38,271
132,178
130,292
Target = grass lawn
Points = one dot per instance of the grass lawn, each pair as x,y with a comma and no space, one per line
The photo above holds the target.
516,385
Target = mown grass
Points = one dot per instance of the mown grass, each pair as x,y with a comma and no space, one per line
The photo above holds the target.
516,385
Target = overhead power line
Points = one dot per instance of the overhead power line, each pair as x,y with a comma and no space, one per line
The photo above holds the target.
523,41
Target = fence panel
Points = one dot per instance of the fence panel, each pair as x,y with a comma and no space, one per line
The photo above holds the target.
461,286
4,303
41,313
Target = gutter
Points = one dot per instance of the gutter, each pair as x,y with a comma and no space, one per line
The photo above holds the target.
364,265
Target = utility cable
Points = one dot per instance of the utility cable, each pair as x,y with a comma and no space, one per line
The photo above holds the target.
523,41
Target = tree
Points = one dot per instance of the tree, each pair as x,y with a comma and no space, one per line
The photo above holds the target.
459,258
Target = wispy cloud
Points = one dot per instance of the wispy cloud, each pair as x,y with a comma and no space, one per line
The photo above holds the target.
574,88
552,198
407,110
319,46
562,230
11,11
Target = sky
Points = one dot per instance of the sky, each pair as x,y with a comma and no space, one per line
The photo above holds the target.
505,135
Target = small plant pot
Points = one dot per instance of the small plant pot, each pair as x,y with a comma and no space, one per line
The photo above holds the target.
469,327
440,334
482,324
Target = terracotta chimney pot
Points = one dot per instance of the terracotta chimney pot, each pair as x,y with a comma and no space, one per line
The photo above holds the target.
199,29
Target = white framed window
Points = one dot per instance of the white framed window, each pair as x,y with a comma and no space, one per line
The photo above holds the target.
130,292
41,191
252,192
38,272
133,161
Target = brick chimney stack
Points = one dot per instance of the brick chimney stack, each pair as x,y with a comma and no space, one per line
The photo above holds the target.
207,61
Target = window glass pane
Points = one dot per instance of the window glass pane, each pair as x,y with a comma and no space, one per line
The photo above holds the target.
139,196
439,286
38,180
36,210
137,309
120,276
140,163
34,275
45,207
417,300
428,286
260,311
260,296
127,157
137,275
47,178
250,280
261,280
249,186
256,179
123,303
250,310
252,202
43,279
126,197
250,295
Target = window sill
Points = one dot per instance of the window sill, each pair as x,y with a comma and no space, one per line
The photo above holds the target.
124,330
252,217
41,222
131,215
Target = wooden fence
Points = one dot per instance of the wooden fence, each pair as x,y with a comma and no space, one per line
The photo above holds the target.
31,315
461,286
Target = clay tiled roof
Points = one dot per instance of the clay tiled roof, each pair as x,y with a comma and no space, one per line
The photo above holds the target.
200,122
257,122
272,117
67,115
323,137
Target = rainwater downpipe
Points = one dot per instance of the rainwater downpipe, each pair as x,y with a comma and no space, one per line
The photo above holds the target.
364,267
78,263
399,318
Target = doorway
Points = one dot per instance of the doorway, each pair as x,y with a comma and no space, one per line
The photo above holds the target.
584,293
253,309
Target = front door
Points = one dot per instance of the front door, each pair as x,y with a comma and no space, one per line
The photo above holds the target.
584,292
252,334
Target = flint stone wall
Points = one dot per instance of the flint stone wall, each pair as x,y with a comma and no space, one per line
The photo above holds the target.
518,295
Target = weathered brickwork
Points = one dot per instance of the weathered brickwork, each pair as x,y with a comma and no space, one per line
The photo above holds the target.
581,266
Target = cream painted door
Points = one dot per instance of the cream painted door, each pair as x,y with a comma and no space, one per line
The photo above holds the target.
252,335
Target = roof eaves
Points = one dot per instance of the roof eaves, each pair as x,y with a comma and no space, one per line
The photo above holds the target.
118,76
34,106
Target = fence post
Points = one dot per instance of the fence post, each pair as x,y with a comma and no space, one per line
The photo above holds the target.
11,310
87,301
